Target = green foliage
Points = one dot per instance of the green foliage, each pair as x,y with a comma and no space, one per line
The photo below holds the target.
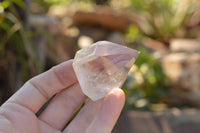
160,19
13,34
75,4
57,2
146,81
133,34
46,4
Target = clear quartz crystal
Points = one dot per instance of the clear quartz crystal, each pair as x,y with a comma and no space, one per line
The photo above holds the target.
103,66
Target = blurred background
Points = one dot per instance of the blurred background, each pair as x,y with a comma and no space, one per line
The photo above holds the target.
163,87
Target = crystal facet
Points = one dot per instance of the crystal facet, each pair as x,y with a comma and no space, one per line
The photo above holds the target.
103,66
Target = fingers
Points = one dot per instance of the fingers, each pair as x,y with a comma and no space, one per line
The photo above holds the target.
20,118
6,126
63,107
45,128
99,116
109,113
40,88
84,117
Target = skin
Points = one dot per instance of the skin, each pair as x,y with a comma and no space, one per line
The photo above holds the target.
17,114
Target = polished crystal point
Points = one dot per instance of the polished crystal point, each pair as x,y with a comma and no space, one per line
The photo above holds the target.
103,66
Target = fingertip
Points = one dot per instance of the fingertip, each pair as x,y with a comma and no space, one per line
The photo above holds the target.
118,94
109,112
114,102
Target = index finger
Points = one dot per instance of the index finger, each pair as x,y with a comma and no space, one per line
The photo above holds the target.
35,92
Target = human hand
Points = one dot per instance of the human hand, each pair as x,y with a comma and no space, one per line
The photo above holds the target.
17,114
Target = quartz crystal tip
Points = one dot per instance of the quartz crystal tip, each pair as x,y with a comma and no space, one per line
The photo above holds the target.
103,66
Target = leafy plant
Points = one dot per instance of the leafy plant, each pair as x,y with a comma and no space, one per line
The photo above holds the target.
146,81
160,19
14,37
